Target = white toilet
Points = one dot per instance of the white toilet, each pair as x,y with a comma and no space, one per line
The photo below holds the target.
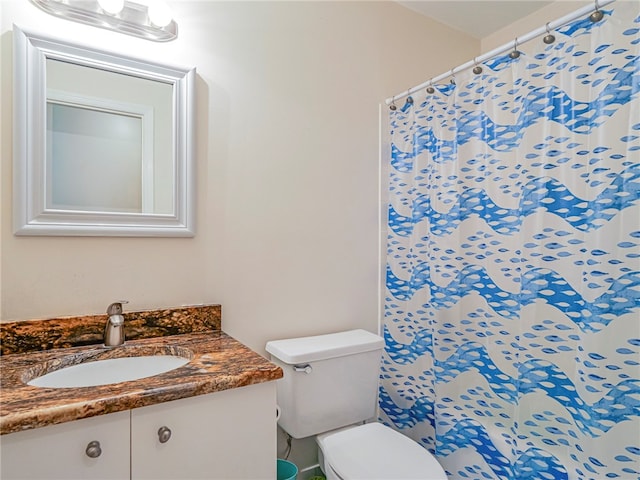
329,388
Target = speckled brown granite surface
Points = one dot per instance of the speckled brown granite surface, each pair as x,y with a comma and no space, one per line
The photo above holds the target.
217,362
32,335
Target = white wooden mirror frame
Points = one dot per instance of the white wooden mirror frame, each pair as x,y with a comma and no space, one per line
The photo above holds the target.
30,212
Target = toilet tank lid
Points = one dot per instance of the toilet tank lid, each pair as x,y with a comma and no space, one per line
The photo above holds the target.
321,347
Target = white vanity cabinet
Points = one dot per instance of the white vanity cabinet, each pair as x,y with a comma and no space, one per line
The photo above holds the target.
66,451
226,435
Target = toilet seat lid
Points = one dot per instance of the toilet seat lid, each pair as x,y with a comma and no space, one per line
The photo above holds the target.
373,451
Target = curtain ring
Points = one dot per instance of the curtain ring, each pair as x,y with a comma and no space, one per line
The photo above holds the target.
515,53
597,15
430,89
549,38
453,77
393,107
477,69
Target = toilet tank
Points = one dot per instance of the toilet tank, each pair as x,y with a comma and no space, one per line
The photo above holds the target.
330,381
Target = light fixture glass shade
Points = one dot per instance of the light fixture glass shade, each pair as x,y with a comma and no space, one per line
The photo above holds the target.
159,13
111,6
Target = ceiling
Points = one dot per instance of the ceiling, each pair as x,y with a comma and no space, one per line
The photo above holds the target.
476,18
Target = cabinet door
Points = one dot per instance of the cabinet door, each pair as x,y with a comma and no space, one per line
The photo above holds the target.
225,435
60,451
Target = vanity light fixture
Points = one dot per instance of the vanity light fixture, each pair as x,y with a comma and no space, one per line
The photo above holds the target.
151,20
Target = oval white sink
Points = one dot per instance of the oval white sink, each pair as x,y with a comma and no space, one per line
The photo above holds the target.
112,370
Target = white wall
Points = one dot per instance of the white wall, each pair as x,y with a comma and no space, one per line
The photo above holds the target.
287,147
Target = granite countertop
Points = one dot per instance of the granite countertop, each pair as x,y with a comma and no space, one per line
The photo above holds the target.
218,362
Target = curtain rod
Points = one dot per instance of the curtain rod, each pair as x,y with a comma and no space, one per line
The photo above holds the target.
505,48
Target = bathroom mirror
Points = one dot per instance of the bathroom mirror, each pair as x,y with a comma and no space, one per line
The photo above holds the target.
103,142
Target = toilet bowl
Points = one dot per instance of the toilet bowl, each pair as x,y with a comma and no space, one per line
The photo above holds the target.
329,388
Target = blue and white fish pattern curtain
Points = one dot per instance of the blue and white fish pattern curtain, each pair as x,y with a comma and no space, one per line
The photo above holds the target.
512,310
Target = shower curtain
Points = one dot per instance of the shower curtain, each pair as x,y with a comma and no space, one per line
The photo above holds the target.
512,309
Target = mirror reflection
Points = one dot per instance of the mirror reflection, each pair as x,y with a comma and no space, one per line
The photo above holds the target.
94,159
108,141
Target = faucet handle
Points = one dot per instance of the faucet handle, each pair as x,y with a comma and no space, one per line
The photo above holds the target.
116,307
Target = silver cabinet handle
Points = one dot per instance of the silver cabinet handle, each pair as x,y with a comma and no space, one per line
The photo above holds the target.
93,449
164,434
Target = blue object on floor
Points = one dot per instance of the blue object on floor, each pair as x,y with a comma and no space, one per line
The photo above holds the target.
286,470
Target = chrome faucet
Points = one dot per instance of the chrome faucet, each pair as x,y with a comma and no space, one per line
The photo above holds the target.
114,330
